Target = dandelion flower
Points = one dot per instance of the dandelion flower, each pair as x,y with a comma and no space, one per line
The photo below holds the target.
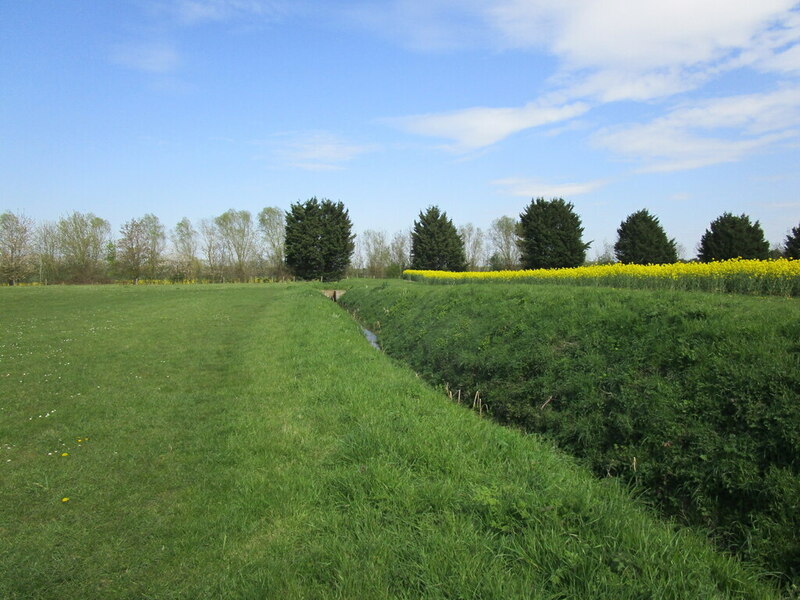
65,454
65,499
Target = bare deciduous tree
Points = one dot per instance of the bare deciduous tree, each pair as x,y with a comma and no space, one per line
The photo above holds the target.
474,247
140,249
503,236
272,224
377,253
129,258
184,250
82,239
155,244
238,234
16,249
213,250
399,257
48,252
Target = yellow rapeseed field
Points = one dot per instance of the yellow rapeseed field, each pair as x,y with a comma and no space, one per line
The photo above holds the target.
772,277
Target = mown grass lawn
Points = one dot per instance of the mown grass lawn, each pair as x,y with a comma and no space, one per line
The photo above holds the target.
247,442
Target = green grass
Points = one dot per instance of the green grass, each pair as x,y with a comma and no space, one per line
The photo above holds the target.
693,397
247,442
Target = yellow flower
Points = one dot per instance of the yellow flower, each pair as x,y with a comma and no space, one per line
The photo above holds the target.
65,454
65,499
780,276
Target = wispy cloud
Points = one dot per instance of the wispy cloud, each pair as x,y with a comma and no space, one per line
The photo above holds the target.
316,150
478,127
611,50
708,132
614,51
535,188
150,57
613,85
666,150
787,61
162,57
617,49
642,35
192,12
422,25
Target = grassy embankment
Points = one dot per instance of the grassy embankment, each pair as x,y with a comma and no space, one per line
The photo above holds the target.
247,442
694,397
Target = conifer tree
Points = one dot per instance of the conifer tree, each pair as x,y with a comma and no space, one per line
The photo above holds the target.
792,244
641,240
318,242
435,243
731,236
551,235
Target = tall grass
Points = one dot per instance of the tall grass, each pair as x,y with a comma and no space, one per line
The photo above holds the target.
693,397
247,442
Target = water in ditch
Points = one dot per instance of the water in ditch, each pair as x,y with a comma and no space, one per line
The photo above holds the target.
371,337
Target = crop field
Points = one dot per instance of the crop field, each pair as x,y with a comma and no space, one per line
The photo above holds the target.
246,441
779,277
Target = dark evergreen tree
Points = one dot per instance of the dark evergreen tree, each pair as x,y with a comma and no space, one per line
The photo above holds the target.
641,240
731,236
318,241
792,244
551,235
435,243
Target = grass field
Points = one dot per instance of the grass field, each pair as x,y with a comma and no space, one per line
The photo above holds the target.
247,442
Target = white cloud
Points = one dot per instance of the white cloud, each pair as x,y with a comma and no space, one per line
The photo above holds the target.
647,49
651,34
535,188
755,113
618,50
610,49
478,127
713,131
774,50
641,35
616,85
317,150
424,25
198,11
151,57
787,61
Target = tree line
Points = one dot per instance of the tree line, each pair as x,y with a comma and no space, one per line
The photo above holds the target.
314,240
549,235
80,248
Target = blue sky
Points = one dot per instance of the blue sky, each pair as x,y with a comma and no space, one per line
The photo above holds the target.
191,107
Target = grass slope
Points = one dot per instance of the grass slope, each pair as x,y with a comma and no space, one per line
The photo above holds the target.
691,396
247,442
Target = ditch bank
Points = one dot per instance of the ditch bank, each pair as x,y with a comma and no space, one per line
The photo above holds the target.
692,398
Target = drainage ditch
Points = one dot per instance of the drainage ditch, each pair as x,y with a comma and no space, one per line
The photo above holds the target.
371,337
